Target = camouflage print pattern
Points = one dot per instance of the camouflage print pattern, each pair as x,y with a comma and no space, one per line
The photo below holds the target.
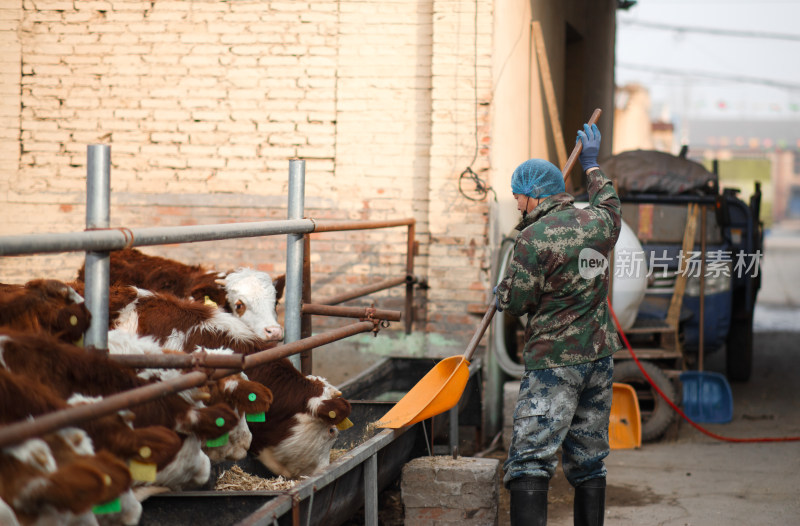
565,407
568,317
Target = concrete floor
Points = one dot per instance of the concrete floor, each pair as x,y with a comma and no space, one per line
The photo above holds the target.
695,480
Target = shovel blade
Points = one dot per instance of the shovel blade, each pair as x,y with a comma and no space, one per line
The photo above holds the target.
438,391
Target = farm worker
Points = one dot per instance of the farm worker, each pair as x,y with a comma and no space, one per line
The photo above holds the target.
558,276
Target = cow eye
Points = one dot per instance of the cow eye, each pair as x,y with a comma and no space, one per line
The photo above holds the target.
332,431
239,307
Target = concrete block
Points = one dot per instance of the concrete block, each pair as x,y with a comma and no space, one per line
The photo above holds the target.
443,490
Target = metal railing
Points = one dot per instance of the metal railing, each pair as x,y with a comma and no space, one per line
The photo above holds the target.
98,240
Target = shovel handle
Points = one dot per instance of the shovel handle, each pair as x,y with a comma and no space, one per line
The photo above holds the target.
579,146
476,338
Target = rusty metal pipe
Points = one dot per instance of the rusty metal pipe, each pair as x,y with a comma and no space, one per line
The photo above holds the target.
369,289
324,225
410,253
351,312
178,361
19,431
276,353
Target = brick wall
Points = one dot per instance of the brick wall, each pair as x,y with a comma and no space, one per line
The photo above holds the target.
204,102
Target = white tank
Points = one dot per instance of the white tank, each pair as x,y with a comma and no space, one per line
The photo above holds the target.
629,278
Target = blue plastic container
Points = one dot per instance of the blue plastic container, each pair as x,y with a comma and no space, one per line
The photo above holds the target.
707,397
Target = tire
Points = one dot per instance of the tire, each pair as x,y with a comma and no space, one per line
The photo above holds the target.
657,415
739,350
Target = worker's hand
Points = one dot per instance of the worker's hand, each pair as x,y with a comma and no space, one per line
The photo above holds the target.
496,300
590,138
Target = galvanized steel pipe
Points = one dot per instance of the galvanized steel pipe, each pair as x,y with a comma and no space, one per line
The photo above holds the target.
294,257
97,264
116,239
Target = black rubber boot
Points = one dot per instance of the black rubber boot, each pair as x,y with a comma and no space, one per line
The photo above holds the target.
529,501
590,503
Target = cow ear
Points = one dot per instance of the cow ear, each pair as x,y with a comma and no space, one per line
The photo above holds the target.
280,284
215,294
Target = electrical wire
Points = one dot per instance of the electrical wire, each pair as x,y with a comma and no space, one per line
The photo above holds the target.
679,410
712,31
481,188
713,76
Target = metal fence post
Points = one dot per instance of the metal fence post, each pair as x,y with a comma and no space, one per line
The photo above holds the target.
98,191
294,257
371,491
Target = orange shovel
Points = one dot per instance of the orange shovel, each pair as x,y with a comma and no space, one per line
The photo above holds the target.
442,387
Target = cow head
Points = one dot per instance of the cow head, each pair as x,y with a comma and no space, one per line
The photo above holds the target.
252,295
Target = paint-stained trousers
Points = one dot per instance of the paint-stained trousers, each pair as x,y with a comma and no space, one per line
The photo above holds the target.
565,407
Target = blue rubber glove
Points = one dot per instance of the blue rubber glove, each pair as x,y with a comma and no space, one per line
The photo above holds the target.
590,138
497,300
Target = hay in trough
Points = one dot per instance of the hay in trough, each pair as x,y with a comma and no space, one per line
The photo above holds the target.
234,479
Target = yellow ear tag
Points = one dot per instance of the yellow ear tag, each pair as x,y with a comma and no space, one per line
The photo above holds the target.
141,471
73,320
79,343
209,301
344,424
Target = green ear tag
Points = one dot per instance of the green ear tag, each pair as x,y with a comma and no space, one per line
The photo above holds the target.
252,397
256,417
217,442
112,506
220,421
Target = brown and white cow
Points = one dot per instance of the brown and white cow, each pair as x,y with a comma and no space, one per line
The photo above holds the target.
41,492
248,294
44,305
303,422
178,323
69,370
242,395
70,445
22,398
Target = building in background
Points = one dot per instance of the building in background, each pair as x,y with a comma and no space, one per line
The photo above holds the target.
400,109
747,151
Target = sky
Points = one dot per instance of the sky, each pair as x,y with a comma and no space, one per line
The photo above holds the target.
701,74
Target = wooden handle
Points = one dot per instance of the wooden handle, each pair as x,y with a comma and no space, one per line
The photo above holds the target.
476,338
579,146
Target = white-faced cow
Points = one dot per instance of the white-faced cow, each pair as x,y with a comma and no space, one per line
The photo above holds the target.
248,294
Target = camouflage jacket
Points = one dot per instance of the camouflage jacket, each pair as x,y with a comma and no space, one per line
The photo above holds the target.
559,275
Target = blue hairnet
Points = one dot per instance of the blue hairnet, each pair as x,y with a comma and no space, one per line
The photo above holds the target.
537,178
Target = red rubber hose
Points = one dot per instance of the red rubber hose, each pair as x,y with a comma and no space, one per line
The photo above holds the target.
678,409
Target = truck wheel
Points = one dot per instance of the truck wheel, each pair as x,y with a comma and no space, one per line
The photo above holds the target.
657,415
739,350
